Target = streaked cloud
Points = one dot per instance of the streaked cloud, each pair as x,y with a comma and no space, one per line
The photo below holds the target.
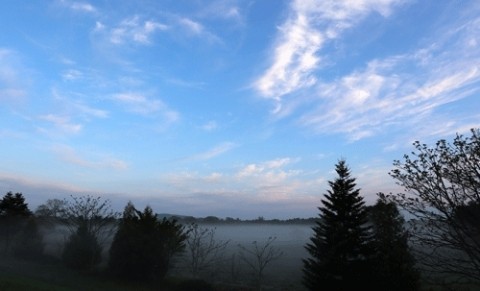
197,29
79,6
63,123
90,111
70,155
72,74
221,9
141,104
192,26
133,29
302,36
398,91
214,152
12,76
83,6
210,125
384,94
188,84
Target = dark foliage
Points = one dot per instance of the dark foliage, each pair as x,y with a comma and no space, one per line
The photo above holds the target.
13,214
29,242
443,194
339,246
82,250
194,285
392,262
143,246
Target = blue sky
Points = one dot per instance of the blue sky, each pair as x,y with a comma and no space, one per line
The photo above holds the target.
227,108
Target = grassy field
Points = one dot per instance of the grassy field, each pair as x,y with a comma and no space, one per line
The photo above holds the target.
23,275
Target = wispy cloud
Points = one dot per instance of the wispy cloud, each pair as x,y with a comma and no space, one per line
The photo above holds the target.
141,104
90,111
132,29
83,6
385,94
271,170
63,123
188,84
221,9
210,125
398,91
214,152
72,74
308,27
12,88
195,28
38,190
79,6
70,155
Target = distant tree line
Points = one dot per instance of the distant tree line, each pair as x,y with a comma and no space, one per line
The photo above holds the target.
230,220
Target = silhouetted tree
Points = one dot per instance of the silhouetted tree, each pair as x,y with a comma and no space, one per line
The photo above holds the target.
441,182
13,214
392,262
82,250
339,246
90,221
143,246
204,254
259,257
93,213
52,211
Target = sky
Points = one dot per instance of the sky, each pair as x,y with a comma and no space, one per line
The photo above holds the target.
228,108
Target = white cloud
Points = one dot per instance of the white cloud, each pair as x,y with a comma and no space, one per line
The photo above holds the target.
214,177
197,29
12,88
309,25
192,26
189,84
79,6
83,6
399,91
269,172
226,10
214,152
72,74
139,103
366,102
63,123
132,30
210,125
87,110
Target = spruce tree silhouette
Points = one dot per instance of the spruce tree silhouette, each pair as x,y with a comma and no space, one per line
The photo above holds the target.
339,246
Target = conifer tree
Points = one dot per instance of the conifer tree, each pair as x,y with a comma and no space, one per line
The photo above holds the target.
13,214
143,245
392,263
339,246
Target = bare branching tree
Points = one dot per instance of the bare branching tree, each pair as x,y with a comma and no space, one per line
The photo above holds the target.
443,195
51,212
259,256
205,254
52,208
93,213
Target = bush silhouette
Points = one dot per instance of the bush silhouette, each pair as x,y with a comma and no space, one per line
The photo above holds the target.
143,245
82,250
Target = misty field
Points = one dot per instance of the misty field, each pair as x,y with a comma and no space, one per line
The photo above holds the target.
284,272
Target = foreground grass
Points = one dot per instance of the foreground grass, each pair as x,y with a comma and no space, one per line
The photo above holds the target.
24,275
